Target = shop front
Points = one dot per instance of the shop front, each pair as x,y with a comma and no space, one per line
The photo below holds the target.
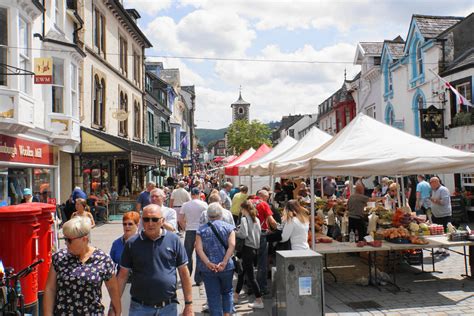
116,164
27,164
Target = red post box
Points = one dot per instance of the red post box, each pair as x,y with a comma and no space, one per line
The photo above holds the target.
45,241
19,246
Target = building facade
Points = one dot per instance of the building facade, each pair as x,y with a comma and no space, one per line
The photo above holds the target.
113,150
39,123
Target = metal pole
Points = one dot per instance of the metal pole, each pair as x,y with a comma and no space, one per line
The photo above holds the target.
351,186
312,213
322,187
251,183
404,202
398,194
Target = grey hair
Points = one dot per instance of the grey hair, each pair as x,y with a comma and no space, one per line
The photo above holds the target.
228,184
160,192
77,226
214,211
181,184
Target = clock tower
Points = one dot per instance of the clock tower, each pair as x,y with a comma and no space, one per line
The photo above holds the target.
240,109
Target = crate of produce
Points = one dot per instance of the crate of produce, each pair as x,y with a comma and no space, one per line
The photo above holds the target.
413,257
458,236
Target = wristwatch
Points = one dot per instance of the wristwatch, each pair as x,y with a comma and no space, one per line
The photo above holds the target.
188,302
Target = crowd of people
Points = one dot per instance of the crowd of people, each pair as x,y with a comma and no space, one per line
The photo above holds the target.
229,230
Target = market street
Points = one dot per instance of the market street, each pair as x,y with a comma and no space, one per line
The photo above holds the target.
446,293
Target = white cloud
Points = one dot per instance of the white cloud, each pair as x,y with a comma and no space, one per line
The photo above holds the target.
202,32
147,7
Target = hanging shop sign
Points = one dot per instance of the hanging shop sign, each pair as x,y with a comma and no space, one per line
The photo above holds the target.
43,70
432,122
13,149
120,115
164,139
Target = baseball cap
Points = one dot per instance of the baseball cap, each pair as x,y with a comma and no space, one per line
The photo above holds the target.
27,191
195,191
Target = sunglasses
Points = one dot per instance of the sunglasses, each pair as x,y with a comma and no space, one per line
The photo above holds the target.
151,219
70,240
128,224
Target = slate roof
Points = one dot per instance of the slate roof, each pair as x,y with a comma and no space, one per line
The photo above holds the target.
465,59
372,48
431,26
171,76
240,101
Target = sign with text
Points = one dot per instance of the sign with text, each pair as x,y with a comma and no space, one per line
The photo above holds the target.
432,122
93,144
13,149
164,139
43,70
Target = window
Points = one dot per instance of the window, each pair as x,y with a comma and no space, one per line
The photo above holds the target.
390,80
149,86
58,15
137,125
58,86
136,68
370,111
241,110
151,128
74,88
98,112
389,115
466,91
347,113
291,132
419,59
99,32
420,102
163,126
3,41
123,125
377,61
24,59
123,56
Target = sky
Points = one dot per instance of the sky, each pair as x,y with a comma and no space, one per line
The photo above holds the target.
306,47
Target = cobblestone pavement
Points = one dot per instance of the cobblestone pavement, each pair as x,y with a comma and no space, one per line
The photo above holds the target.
446,293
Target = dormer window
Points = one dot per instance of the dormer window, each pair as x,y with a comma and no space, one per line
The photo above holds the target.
377,61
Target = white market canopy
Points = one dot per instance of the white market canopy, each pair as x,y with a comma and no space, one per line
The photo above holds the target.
313,140
368,147
279,149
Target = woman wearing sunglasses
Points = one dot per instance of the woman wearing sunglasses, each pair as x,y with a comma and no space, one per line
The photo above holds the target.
74,284
130,222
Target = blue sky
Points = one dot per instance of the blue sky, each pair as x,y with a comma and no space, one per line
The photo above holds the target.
299,30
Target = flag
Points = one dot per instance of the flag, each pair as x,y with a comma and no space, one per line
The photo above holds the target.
460,99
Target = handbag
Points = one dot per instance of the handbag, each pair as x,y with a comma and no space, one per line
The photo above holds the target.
238,267
239,242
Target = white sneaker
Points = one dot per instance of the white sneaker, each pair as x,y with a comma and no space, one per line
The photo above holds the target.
256,305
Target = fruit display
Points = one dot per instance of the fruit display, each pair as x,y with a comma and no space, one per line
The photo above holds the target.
418,240
395,233
436,229
414,227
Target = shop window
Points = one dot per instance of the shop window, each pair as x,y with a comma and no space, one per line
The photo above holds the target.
123,56
137,125
24,55
42,183
123,125
3,43
96,175
58,86
99,103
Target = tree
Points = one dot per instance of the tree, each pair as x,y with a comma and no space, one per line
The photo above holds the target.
242,135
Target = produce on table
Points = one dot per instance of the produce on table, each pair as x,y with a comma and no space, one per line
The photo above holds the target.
394,233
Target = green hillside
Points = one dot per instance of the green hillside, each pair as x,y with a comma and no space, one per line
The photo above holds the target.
207,135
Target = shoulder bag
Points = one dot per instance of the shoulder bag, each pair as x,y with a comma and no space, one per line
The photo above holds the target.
238,268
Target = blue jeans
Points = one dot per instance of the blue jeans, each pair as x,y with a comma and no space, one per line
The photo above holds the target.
219,291
137,309
262,264
189,240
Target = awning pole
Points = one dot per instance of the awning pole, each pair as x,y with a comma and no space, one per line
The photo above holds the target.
251,183
313,237
322,187
404,202
398,194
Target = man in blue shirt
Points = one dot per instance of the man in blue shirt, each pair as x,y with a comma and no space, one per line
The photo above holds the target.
153,256
423,194
144,197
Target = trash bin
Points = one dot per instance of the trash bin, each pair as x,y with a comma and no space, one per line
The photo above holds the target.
19,246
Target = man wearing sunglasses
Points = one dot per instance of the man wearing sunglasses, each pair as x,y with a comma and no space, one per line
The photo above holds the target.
153,256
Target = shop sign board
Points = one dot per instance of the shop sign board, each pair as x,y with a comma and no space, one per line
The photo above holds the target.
94,144
14,149
432,122
164,139
43,70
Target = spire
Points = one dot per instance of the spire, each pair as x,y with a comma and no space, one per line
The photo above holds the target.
345,74
240,92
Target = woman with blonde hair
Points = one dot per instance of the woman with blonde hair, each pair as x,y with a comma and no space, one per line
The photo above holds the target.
296,225
74,284
83,210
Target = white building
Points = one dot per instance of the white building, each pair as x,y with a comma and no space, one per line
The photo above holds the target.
39,121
